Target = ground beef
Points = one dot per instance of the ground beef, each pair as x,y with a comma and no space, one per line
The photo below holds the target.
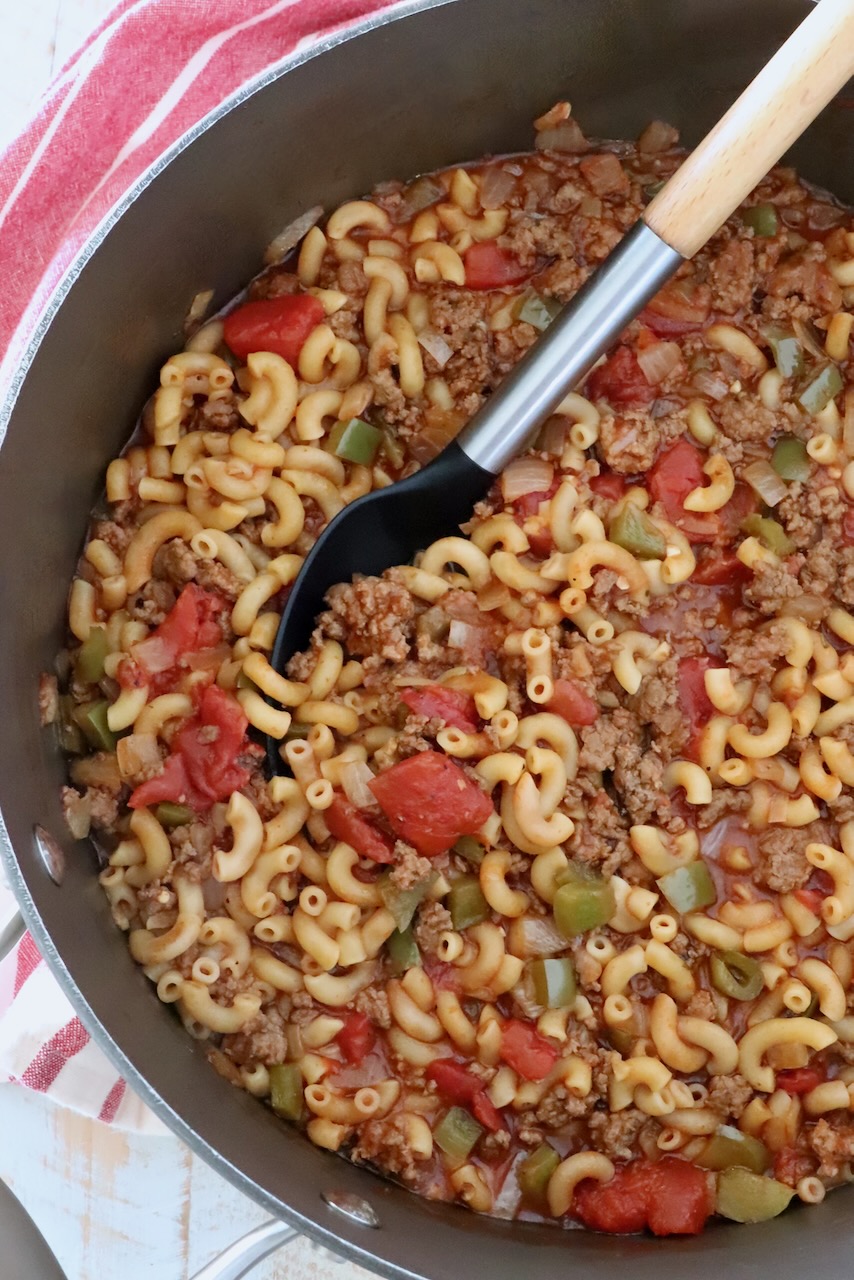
630,441
431,922
731,276
371,616
192,847
559,1107
701,1005
804,273
753,651
833,1142
616,1134
782,864
152,603
729,1095
410,868
373,1003
176,562
771,587
657,700
384,1142
262,1040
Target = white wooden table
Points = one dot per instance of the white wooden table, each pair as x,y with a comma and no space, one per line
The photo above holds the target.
111,1204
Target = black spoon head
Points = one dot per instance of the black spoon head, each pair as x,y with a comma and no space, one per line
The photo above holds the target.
384,528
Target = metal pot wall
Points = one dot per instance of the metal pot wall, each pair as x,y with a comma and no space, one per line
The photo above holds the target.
431,84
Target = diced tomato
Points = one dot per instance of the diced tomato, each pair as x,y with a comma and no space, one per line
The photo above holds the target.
733,514
202,768
436,701
818,887
790,1165
458,1086
800,1079
716,570
608,485
525,1050
346,823
620,380
540,540
488,266
430,802
190,627
280,325
670,1196
848,527
357,1037
697,710
571,703
673,475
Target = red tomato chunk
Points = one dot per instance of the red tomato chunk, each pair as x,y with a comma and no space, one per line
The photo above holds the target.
620,380
454,1083
525,1050
450,705
800,1079
356,1038
674,474
608,485
488,266
346,823
669,1196
201,768
430,802
280,325
696,707
190,627
571,703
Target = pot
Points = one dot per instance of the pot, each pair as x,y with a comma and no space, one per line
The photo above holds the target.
426,85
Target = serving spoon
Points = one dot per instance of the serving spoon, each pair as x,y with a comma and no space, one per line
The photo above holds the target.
387,527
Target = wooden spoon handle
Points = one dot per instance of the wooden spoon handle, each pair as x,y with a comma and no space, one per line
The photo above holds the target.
774,110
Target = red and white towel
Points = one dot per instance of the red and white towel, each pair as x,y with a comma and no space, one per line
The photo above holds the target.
150,72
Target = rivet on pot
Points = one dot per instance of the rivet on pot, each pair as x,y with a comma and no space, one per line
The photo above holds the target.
51,854
352,1207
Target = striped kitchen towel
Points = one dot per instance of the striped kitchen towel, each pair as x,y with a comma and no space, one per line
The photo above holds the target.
149,73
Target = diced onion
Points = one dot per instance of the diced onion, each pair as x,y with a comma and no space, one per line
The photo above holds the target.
509,1197
291,235
436,346
763,479
369,1071
523,996
710,384
154,655
563,137
137,752
354,779
809,338
462,634
533,937
658,360
526,475
77,810
496,186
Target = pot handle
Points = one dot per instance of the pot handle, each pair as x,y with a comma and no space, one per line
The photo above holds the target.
241,1257
774,110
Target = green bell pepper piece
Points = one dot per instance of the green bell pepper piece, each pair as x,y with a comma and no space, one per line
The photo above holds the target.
632,529
768,531
68,732
173,815
403,950
355,441
403,903
244,681
89,662
729,1147
821,389
286,1091
91,717
456,1133
736,975
535,1170
743,1196
296,731
470,849
688,888
790,459
788,352
554,982
466,902
536,310
762,219
582,902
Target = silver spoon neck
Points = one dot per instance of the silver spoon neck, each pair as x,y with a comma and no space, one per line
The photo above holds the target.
585,328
